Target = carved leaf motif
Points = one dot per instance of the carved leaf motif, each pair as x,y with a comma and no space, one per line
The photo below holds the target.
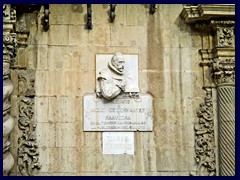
26,83
204,142
28,148
224,70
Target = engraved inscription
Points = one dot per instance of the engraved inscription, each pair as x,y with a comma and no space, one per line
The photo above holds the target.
118,143
118,115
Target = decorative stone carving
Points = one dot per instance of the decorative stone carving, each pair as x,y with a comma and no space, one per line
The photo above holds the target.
117,104
226,129
204,142
27,149
9,54
225,36
117,75
112,80
26,80
9,48
218,71
224,71
9,12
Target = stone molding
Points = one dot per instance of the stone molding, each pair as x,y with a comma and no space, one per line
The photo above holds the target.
205,12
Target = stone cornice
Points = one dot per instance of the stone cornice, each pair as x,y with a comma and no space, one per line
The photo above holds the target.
206,12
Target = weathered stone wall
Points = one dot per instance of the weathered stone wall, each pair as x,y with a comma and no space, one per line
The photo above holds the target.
65,70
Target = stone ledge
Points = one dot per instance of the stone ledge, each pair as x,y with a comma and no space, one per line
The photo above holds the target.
205,12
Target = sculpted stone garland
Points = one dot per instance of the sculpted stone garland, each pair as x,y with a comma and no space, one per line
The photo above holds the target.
204,131
9,54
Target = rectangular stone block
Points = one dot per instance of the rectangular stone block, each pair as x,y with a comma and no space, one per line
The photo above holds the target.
58,35
41,106
57,57
31,57
56,79
50,159
68,160
65,135
41,83
42,57
57,17
137,15
46,134
127,36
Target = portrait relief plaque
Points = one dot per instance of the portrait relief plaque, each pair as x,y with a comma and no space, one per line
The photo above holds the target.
117,104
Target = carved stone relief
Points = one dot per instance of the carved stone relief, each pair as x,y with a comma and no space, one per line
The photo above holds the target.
225,36
27,155
115,75
112,81
27,145
218,72
224,70
9,54
204,142
117,104
26,83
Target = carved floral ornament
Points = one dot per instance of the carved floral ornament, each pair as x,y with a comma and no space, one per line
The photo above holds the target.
225,36
224,71
27,145
204,141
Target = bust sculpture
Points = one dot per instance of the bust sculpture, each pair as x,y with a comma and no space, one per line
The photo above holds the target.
112,80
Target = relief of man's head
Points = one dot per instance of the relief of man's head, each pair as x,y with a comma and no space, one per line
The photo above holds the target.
118,61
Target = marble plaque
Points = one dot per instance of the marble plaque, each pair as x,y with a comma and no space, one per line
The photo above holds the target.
119,114
118,143
130,70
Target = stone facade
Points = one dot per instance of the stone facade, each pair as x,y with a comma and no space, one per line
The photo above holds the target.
58,66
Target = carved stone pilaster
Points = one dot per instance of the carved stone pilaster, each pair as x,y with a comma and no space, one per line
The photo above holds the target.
218,64
224,75
204,141
9,54
28,152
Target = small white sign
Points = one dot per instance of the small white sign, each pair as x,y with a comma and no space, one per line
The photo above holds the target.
118,143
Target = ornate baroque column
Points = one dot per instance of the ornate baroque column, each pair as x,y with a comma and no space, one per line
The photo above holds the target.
218,62
9,54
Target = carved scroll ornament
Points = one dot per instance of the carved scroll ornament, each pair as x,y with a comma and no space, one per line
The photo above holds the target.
204,142
27,149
